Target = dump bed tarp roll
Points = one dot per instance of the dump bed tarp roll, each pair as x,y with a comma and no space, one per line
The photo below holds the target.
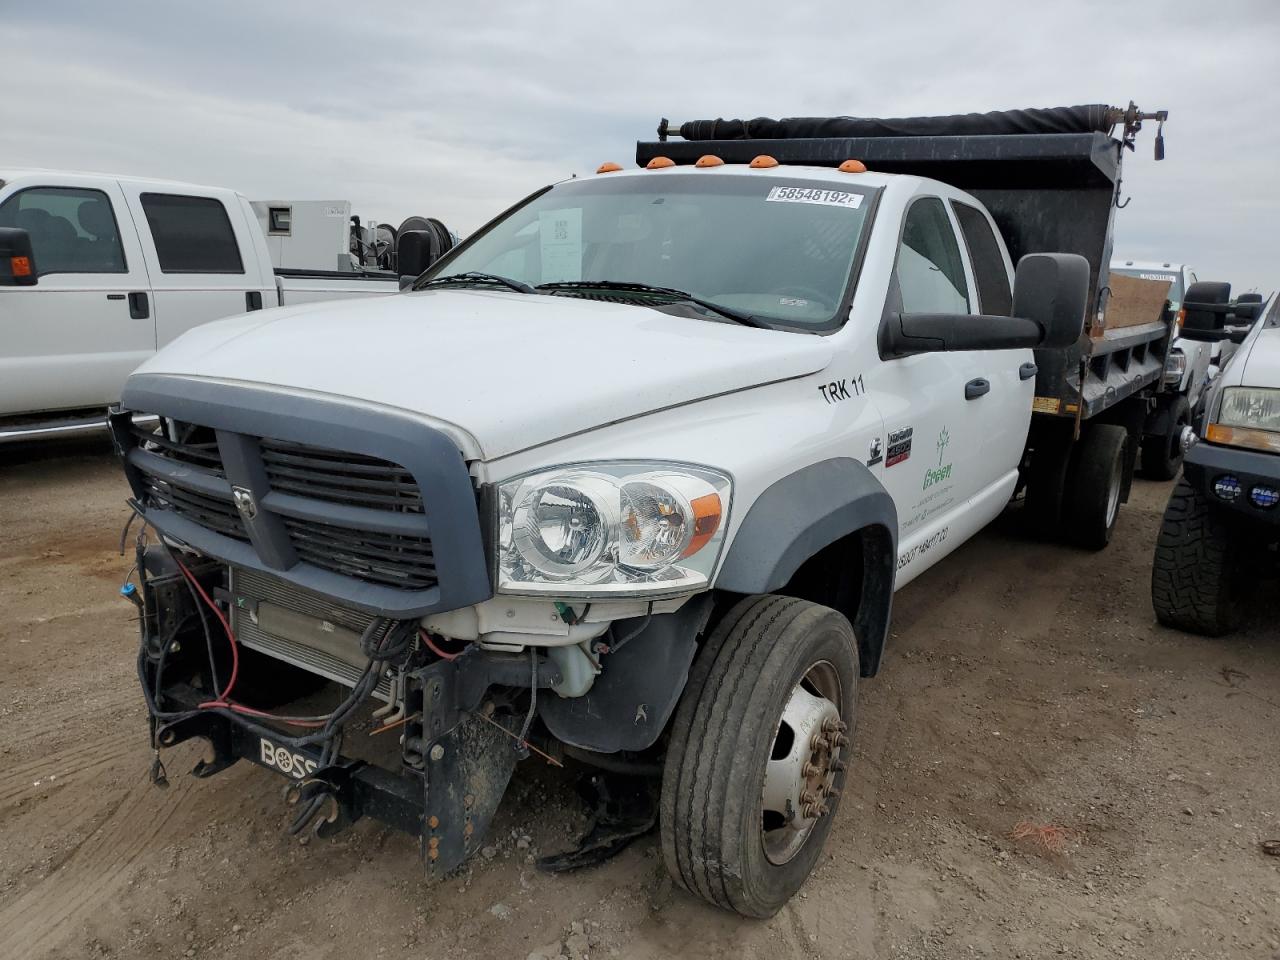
1088,118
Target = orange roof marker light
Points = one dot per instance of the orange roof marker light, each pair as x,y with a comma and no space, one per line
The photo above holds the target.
608,167
709,160
657,163
853,166
763,162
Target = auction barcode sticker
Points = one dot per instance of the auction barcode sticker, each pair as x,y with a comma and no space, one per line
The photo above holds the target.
831,198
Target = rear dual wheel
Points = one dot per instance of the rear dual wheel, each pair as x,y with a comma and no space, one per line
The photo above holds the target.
1074,490
758,753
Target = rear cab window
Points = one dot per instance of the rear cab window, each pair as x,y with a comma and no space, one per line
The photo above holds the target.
72,229
995,298
192,234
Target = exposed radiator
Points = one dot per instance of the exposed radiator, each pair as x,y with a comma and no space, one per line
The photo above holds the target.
299,627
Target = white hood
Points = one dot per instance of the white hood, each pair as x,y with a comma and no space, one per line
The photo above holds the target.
508,370
1261,368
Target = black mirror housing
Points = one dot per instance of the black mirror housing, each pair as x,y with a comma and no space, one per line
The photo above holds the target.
1052,289
1204,307
17,261
1050,296
416,250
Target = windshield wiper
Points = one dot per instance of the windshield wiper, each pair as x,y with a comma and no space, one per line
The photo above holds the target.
476,276
737,316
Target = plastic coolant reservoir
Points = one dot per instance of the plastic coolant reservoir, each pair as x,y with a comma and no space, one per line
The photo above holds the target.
577,670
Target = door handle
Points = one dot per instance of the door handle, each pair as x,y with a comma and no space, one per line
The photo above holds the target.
139,306
976,388
253,300
1027,371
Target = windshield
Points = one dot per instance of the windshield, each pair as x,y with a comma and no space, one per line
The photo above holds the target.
773,248
1172,277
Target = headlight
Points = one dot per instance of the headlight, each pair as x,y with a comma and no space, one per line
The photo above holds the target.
611,529
1175,365
1249,417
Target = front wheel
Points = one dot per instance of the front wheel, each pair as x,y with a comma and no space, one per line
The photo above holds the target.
1197,574
758,753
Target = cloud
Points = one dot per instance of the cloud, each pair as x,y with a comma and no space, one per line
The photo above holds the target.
457,110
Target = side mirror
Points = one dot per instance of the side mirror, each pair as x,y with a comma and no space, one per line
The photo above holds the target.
17,262
1053,290
1204,311
1050,294
416,250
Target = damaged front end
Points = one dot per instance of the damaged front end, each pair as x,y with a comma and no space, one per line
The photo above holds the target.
296,558
453,722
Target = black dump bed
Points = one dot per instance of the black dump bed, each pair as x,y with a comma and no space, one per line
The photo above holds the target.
1050,178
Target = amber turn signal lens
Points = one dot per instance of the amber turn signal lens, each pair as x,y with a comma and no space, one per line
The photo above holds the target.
706,521
1264,440
608,167
709,160
21,266
762,162
657,163
853,166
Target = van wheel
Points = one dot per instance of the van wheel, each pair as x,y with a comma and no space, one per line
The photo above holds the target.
1162,455
1095,484
1196,577
757,754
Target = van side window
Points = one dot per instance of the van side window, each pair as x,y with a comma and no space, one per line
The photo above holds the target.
192,234
994,296
72,230
930,270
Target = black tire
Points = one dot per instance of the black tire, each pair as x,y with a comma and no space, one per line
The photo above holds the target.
1197,573
712,809
1095,486
1162,455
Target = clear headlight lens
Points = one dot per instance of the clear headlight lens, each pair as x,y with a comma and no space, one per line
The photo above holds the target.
1175,365
1254,407
611,529
1249,417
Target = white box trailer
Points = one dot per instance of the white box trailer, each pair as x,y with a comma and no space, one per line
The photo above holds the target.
306,234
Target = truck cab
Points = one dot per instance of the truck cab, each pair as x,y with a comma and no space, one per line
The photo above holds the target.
117,267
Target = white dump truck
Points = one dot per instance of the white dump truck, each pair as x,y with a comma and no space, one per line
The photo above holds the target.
630,477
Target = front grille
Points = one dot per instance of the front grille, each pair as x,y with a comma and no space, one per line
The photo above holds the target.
194,445
383,540
216,514
391,559
338,477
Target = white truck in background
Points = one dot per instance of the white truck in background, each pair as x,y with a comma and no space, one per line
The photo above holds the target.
1186,373
98,272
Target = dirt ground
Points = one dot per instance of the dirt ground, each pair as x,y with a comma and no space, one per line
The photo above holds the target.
1024,683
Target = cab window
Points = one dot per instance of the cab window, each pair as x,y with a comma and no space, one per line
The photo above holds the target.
72,230
930,268
191,234
995,298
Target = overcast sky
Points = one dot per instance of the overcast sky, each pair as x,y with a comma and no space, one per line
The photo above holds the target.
457,110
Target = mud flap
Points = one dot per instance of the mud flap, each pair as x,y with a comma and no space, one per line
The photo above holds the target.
467,771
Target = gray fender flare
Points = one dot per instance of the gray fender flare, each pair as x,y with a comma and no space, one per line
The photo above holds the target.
802,513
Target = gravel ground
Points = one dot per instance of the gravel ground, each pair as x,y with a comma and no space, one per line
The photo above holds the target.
1025,683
